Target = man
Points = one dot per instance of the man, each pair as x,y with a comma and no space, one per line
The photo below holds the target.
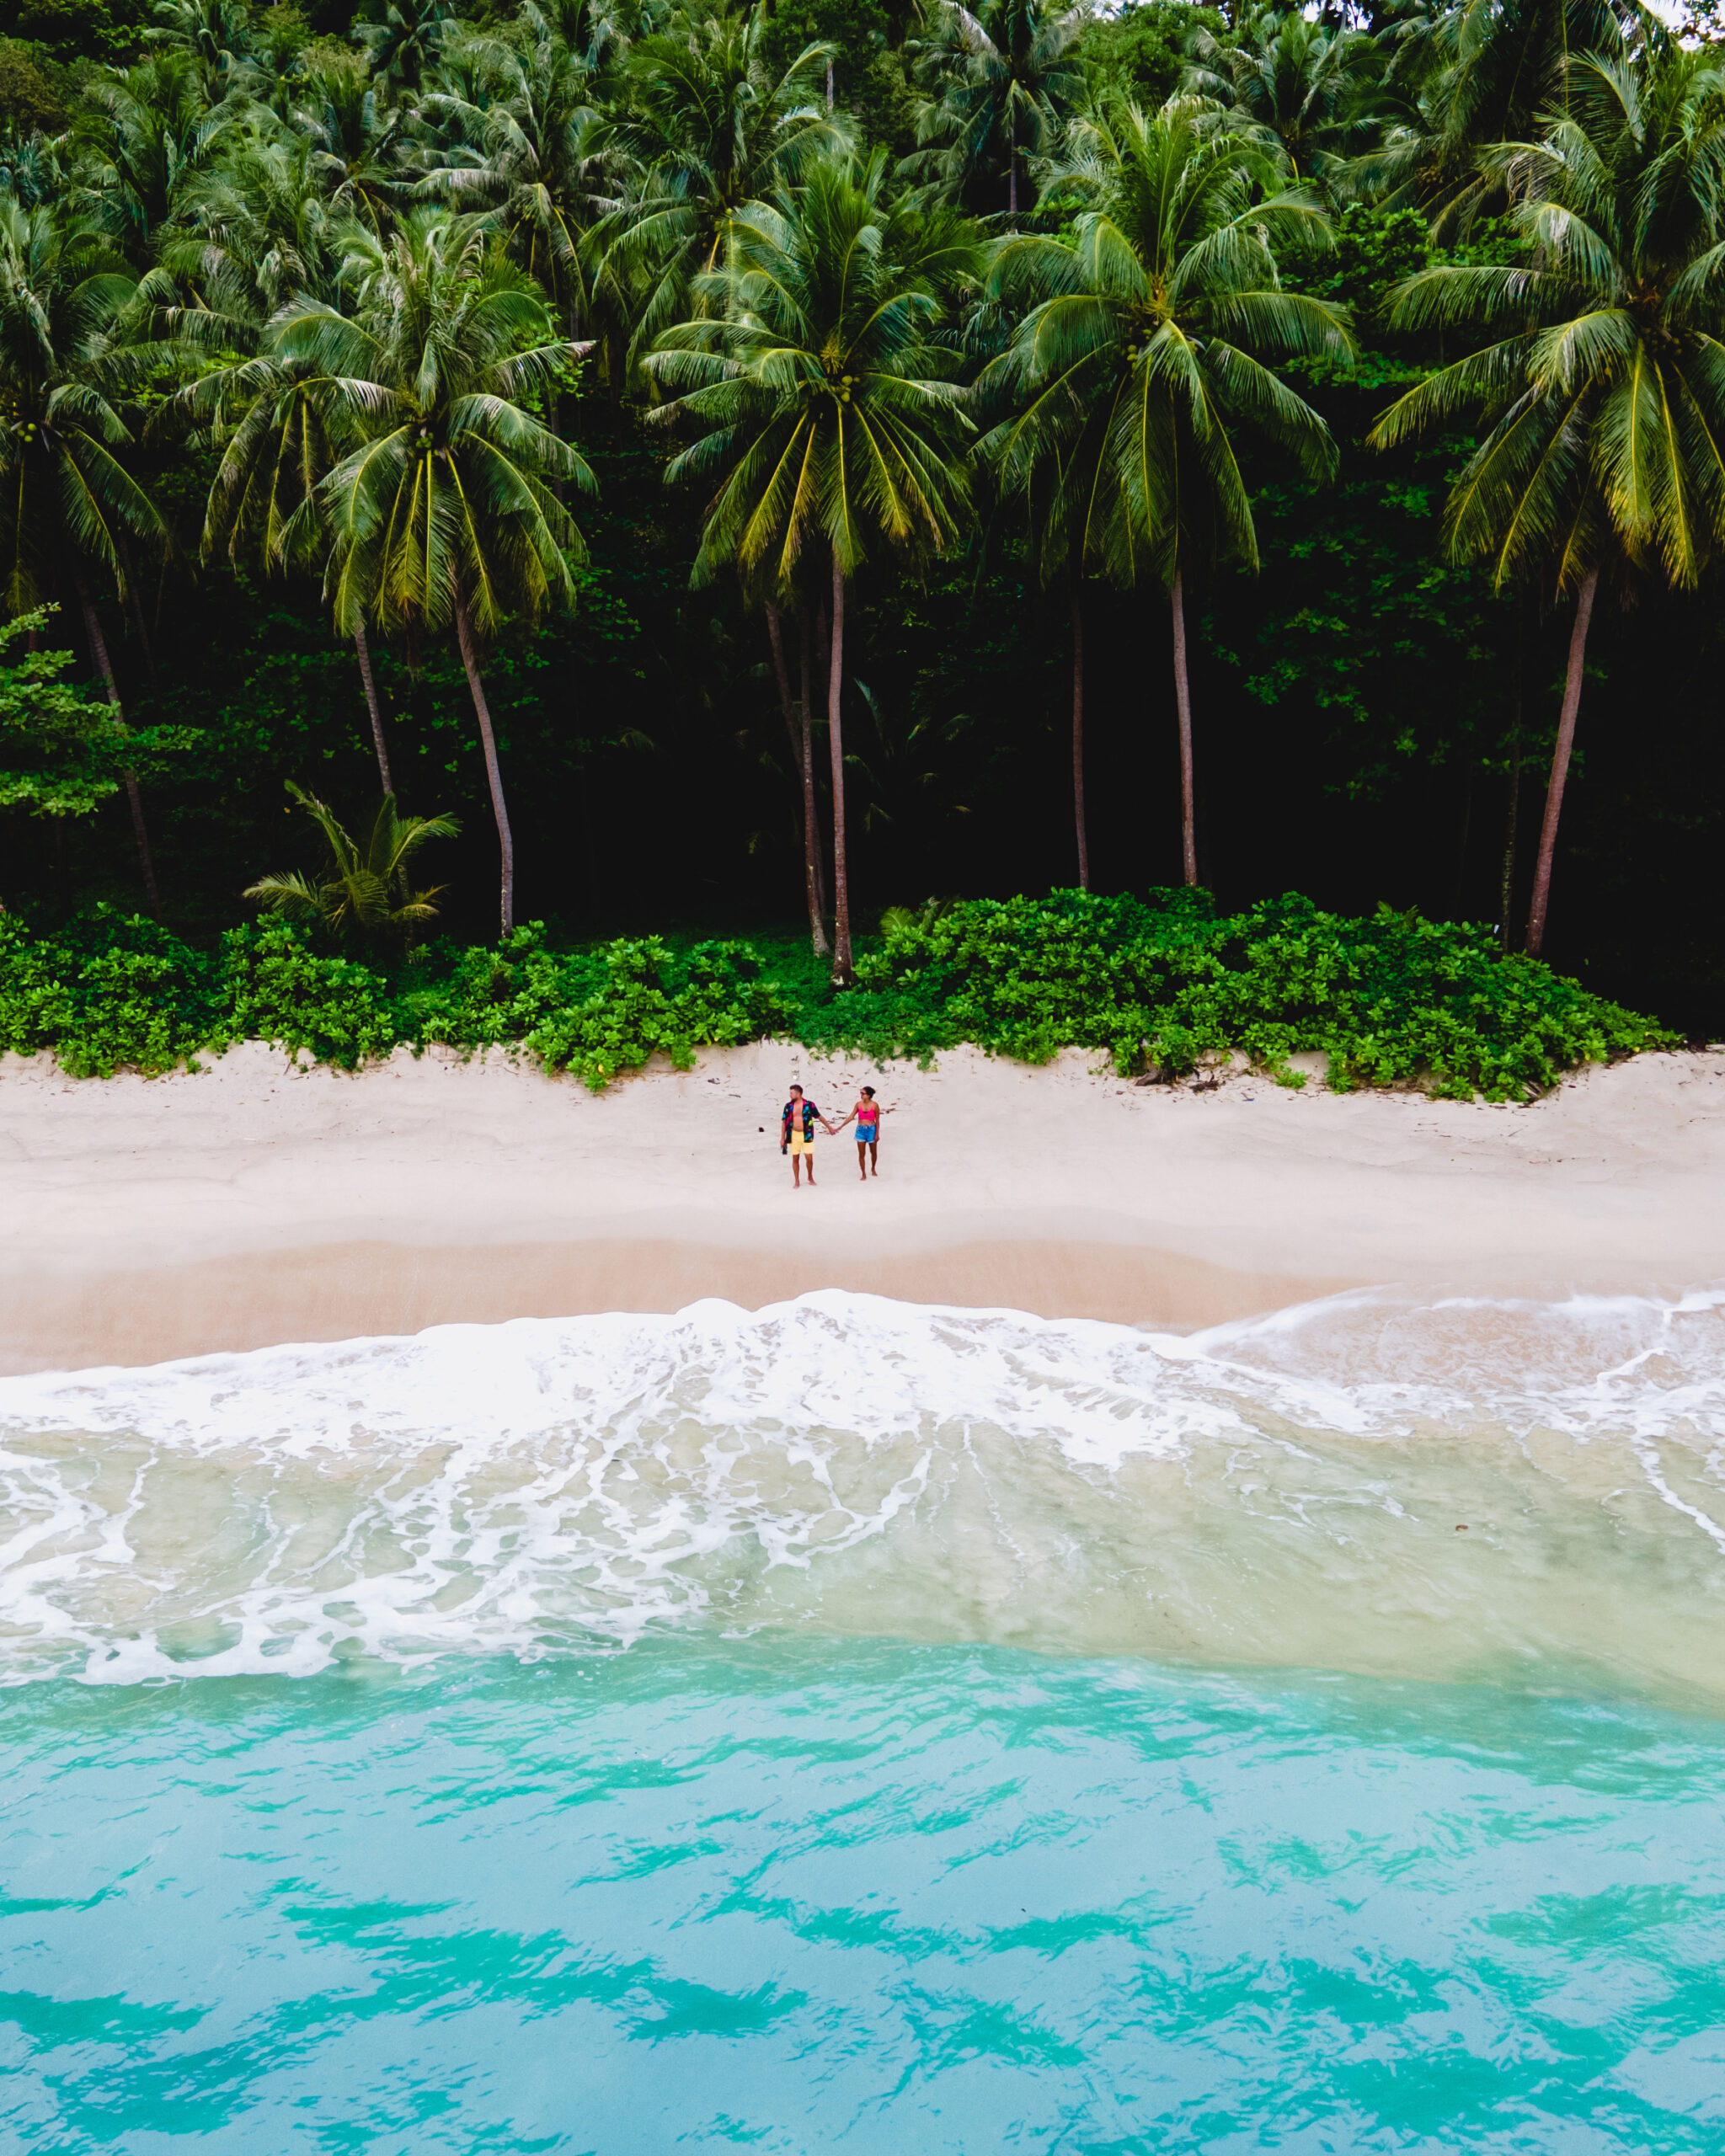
796,1134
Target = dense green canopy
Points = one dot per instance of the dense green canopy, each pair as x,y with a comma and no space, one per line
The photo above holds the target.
1382,351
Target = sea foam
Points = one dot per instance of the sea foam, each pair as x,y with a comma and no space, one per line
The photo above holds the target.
1525,1492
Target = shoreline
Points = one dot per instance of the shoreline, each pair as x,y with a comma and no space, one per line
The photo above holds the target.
325,1293
253,1203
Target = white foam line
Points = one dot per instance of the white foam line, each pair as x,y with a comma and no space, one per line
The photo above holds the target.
503,1485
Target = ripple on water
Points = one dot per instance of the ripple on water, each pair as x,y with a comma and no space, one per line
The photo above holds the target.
787,1892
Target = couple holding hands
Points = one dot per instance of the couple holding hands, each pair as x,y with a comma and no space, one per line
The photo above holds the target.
797,1123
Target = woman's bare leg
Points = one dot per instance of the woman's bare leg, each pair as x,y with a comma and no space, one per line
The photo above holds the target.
862,1159
874,1154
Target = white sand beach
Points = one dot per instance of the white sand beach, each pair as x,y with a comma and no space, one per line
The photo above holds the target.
253,1203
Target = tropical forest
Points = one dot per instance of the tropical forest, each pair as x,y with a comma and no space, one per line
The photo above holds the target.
601,525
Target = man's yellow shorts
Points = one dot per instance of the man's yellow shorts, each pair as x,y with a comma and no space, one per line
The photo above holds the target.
802,1144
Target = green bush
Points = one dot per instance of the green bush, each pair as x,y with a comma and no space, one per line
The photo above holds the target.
649,1001
495,994
1390,1000
279,990
112,993
1155,982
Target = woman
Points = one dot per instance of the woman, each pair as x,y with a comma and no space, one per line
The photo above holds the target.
866,1115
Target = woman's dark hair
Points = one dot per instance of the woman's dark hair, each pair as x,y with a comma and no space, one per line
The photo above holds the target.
868,1093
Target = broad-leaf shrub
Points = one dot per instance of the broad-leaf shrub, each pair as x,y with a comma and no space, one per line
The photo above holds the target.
278,989
1158,981
112,993
649,1000
1390,1000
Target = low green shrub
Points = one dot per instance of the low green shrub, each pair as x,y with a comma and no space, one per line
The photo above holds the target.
649,1000
278,989
112,993
1155,982
1389,1001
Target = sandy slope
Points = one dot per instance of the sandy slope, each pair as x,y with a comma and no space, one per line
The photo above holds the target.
252,1202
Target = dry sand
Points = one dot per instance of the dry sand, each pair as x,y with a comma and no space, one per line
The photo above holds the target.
253,1203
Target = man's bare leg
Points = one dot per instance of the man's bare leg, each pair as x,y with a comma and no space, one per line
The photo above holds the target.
797,1170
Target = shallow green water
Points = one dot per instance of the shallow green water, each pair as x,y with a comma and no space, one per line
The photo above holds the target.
863,1727
778,1895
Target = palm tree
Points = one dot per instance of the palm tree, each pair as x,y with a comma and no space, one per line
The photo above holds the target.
1477,73
1603,395
829,425
1000,82
216,35
248,236
707,126
443,510
1142,358
68,505
535,157
352,138
403,41
281,429
360,886
139,135
1299,87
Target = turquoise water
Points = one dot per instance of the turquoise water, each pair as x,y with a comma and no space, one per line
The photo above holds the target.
777,1896
858,1726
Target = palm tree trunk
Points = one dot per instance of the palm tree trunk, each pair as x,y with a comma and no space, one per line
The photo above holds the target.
1183,702
138,614
1506,897
1560,764
614,379
802,749
372,706
811,816
1078,740
104,666
475,688
844,971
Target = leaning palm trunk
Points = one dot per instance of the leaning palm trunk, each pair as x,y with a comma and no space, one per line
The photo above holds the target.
137,616
493,774
1078,740
1560,764
805,643
1512,816
98,646
1182,699
802,748
372,706
844,972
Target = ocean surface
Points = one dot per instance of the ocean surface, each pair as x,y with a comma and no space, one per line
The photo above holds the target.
859,1726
